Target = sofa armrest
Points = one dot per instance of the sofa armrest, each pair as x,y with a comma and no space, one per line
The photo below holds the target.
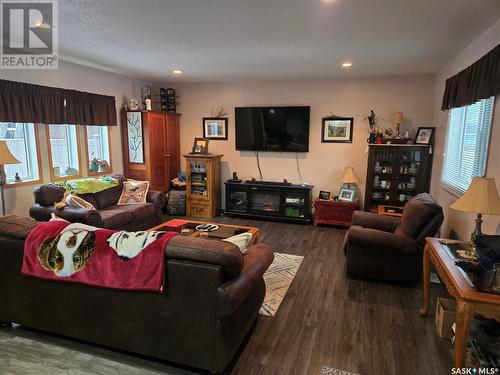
71,214
373,240
158,199
232,293
375,221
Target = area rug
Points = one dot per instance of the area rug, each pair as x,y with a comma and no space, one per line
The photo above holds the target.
334,371
278,279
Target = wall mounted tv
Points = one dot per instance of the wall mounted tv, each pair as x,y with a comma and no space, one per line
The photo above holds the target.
283,129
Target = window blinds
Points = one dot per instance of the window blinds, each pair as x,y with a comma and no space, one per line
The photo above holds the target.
466,144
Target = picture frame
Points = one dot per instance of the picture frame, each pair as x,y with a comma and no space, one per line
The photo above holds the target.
200,146
215,128
347,195
425,135
337,129
135,136
325,195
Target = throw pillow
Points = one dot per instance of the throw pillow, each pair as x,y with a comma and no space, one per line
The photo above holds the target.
134,192
241,240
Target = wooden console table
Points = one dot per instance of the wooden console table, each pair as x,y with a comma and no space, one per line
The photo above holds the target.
469,300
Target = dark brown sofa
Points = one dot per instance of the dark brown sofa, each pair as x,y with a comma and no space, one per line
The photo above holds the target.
390,248
212,297
107,214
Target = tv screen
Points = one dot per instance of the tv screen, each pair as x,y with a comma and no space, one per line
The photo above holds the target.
284,129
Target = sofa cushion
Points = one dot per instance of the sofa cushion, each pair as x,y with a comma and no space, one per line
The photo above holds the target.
115,217
416,215
139,211
16,226
202,250
90,199
109,197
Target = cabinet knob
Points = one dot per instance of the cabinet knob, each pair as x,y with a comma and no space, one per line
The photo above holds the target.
167,155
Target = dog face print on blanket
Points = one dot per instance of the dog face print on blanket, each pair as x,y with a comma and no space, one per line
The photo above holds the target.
68,252
129,244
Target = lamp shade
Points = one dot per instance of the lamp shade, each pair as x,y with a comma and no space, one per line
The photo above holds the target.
481,197
6,156
398,118
349,177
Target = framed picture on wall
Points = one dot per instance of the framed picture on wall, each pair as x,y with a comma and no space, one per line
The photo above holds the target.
135,137
425,135
337,129
215,128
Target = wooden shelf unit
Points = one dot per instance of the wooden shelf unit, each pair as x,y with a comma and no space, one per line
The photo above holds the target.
203,197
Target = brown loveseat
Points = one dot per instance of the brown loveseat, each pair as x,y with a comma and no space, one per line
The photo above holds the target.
107,213
212,297
390,248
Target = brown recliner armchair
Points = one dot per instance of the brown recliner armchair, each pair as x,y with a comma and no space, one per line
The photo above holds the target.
390,248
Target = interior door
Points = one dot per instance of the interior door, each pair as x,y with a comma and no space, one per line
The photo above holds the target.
159,178
173,147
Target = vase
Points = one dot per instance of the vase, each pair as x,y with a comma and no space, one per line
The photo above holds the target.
94,168
372,138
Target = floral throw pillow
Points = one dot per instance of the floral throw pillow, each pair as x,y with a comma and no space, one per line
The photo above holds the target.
134,192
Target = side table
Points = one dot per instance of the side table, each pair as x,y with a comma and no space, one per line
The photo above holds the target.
334,212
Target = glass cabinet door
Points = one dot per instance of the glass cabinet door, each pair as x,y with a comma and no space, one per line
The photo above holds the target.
237,199
295,205
383,181
410,175
198,175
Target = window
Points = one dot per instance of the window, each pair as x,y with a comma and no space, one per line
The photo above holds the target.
22,140
63,151
98,149
467,141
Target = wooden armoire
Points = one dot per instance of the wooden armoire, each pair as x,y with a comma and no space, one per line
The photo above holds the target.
151,149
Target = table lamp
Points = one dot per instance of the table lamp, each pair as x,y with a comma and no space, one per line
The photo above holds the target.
6,157
349,177
398,120
481,198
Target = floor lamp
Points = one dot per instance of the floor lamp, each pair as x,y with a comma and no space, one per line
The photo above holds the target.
6,157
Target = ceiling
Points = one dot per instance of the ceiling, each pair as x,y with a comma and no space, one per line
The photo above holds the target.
232,40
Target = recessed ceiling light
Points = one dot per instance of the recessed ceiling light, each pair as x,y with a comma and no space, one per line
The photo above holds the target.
346,64
177,71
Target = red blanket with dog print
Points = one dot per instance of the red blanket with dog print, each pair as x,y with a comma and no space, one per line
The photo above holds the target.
59,250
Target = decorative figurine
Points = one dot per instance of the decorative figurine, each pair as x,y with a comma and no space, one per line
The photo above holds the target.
372,119
235,176
18,179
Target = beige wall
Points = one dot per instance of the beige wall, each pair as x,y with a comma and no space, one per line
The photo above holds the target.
325,162
458,223
71,76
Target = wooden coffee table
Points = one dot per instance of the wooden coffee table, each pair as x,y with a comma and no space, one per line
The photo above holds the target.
188,228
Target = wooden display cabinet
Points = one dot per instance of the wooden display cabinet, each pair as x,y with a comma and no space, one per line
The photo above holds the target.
396,173
203,186
151,150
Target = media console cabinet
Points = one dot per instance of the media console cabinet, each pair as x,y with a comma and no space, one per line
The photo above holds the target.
269,200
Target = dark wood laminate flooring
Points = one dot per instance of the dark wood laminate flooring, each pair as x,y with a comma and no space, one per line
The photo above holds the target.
326,319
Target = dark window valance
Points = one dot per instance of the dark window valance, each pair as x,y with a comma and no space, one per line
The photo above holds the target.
481,80
24,102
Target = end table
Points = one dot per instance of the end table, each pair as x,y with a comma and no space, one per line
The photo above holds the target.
334,212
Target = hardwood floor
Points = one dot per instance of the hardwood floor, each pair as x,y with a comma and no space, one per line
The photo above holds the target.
326,319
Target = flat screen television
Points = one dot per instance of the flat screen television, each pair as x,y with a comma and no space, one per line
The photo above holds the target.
283,129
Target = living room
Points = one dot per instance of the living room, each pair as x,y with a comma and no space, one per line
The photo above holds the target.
351,303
